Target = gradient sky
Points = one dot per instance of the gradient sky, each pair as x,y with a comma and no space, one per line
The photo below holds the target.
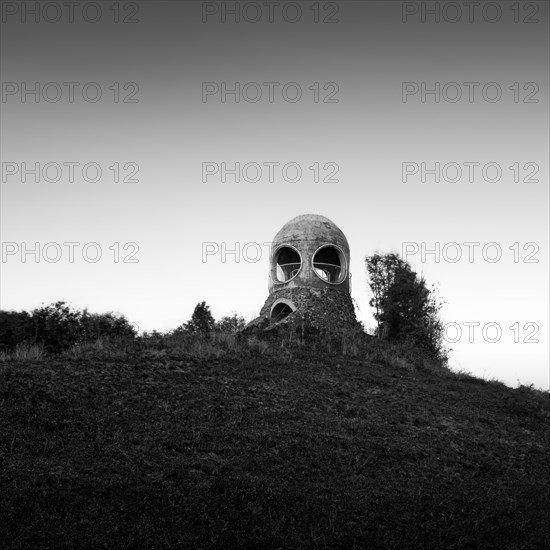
169,132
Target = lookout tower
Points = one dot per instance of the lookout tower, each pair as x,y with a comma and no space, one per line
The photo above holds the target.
309,251
309,276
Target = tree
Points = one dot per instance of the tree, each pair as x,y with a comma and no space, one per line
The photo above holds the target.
231,324
381,272
202,321
405,309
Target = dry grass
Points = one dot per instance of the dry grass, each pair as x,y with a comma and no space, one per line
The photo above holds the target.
23,352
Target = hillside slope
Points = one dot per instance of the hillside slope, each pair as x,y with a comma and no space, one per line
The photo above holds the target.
268,452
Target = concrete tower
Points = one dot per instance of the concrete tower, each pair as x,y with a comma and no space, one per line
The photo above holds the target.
309,277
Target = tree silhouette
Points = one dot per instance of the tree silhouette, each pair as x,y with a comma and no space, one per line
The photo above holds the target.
202,321
405,309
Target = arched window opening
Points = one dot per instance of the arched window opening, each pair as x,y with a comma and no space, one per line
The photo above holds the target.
328,265
287,264
280,311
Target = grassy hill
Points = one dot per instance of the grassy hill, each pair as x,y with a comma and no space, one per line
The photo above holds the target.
268,449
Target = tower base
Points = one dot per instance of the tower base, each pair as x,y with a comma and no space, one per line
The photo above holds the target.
326,310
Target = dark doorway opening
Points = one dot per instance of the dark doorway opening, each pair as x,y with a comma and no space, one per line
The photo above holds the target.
280,311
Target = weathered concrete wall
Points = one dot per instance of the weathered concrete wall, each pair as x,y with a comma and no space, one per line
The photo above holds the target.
326,309
308,233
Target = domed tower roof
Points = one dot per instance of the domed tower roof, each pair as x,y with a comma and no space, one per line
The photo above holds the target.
309,251
311,227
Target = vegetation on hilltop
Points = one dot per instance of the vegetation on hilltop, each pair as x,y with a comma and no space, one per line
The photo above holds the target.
190,442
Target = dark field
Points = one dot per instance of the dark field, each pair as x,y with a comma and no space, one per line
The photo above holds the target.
261,451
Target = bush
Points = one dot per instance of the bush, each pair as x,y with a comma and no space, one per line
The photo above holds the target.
58,327
15,328
230,325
